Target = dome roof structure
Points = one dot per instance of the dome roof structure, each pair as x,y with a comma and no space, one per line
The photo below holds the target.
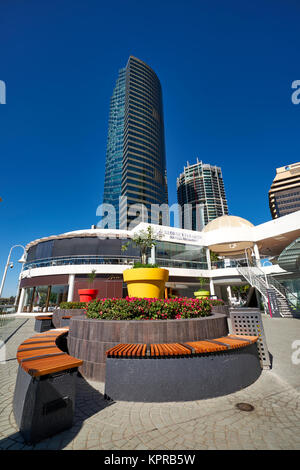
235,230
227,222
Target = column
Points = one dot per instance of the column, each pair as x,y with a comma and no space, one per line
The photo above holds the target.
71,283
48,298
256,254
211,282
229,292
21,301
152,256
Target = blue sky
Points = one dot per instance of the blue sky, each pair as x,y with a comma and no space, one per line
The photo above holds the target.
226,70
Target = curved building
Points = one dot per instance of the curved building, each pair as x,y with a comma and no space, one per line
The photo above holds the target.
58,265
135,160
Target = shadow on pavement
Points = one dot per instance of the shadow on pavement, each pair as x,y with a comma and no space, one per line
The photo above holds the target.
88,403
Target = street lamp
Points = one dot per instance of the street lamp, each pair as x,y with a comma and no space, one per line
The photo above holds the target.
8,263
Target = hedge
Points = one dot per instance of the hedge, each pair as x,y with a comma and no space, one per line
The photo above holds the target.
149,309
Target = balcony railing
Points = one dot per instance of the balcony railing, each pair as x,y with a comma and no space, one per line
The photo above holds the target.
121,260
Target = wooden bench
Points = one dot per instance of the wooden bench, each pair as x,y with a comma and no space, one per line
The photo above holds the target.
181,371
224,343
43,323
44,397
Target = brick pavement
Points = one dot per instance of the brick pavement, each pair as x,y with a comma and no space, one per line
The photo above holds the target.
207,424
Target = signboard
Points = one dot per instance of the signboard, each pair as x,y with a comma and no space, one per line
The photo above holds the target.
273,304
173,234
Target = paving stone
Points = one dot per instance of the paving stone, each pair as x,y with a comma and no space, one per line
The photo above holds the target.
203,424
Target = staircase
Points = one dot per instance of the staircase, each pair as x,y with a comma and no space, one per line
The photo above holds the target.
267,285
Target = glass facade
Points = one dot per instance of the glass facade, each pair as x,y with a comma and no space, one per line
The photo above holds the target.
93,250
114,151
201,185
43,298
135,159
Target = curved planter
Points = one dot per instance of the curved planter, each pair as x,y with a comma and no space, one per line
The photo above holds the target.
146,282
89,339
86,295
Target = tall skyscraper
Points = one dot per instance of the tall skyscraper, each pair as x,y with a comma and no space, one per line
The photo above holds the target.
284,194
135,158
201,187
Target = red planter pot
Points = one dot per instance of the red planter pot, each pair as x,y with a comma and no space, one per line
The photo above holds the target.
86,295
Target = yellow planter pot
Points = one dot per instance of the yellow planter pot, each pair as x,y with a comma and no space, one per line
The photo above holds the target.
201,294
146,282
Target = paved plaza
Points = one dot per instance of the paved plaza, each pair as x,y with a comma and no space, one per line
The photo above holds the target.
213,424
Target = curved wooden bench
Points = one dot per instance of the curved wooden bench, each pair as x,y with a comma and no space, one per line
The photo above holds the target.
181,371
40,355
44,398
130,350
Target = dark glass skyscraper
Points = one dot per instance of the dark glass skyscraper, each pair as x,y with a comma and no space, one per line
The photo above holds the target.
135,157
114,151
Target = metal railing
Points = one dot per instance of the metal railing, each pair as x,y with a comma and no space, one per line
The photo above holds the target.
262,281
254,279
120,260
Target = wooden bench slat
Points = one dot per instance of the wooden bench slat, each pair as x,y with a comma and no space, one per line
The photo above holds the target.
28,344
21,354
233,343
50,365
206,346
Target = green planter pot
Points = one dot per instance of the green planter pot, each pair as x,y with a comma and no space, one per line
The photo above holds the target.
202,294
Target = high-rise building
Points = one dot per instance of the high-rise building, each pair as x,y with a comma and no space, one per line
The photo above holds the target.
284,194
135,158
201,195
114,151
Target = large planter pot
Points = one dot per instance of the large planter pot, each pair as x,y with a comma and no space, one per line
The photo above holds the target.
201,294
146,282
86,295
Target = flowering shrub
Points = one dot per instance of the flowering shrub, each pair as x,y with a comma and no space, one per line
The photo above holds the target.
132,308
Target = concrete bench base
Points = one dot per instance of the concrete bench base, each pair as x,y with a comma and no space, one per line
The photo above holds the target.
181,378
43,324
44,406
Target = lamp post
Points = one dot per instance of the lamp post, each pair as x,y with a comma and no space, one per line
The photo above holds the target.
23,261
8,263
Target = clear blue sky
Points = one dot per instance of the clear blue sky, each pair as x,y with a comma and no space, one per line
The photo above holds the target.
226,70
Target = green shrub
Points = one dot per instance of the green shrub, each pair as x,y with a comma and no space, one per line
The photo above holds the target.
72,305
217,301
141,265
148,309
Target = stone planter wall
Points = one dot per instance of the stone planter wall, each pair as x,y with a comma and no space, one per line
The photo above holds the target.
221,309
59,313
89,339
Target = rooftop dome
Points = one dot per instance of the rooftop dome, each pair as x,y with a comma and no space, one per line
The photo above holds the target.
227,222
231,227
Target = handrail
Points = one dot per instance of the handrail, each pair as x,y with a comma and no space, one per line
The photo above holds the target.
269,281
253,279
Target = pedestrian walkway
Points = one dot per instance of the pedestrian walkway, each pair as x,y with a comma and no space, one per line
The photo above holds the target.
207,424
